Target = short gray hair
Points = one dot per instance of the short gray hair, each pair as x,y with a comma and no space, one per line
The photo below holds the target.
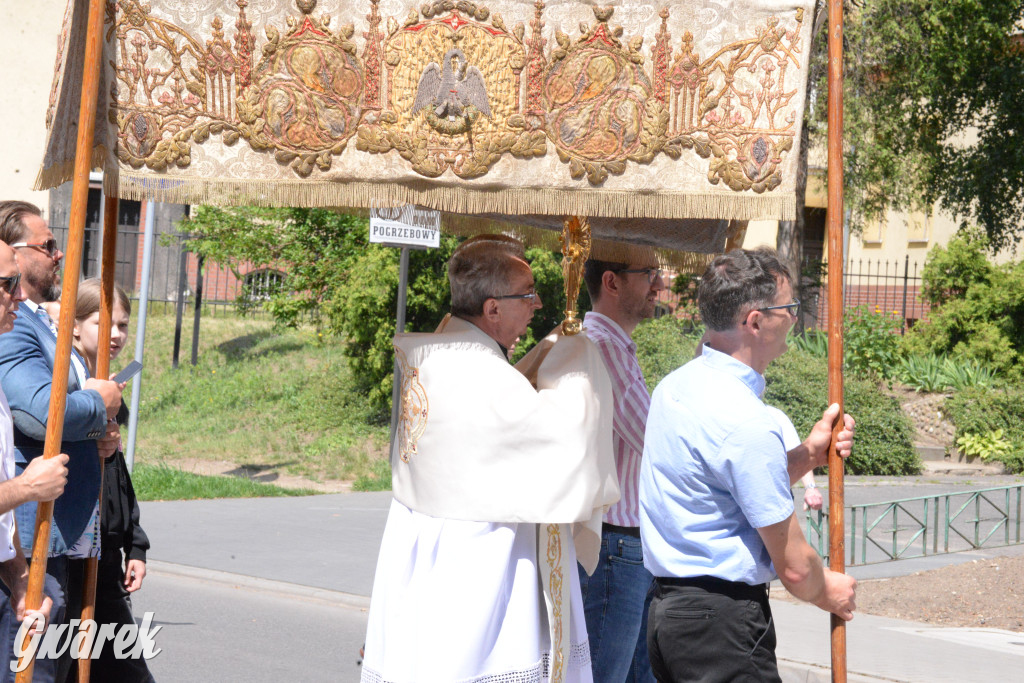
479,269
737,283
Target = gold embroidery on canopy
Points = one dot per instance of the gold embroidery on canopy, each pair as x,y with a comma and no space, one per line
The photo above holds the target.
744,131
597,96
452,96
300,102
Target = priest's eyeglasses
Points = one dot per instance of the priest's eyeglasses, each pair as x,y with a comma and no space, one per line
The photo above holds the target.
10,282
792,308
49,246
651,273
531,296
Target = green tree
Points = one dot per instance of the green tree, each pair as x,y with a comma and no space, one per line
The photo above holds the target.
310,246
933,110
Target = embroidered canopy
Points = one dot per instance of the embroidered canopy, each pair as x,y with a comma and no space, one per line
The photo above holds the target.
648,110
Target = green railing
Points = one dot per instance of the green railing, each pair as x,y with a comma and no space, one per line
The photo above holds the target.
928,525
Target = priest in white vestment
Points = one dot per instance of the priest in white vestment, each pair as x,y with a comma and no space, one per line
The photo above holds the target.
487,469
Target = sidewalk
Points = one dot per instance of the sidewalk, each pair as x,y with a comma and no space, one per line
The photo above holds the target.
327,545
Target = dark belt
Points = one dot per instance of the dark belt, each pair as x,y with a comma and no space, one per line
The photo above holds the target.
633,531
713,584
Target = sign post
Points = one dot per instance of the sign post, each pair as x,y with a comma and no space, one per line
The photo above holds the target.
404,227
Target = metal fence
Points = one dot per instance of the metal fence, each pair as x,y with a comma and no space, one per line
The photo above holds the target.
890,287
928,525
175,272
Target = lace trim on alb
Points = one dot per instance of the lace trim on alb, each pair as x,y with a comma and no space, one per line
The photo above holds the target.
579,657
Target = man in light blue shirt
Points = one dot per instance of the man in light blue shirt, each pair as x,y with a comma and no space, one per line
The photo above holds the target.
716,512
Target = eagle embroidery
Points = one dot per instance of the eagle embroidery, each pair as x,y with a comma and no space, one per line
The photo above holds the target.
451,89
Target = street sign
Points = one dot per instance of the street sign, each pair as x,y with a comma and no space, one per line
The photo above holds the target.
405,226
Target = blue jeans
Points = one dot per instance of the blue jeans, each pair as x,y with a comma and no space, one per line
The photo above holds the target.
614,602
45,670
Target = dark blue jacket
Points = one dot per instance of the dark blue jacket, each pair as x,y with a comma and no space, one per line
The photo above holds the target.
26,373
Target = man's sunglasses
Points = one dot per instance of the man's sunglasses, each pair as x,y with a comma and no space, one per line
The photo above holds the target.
10,282
49,246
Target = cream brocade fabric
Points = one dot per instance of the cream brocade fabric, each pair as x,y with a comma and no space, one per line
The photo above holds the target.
644,109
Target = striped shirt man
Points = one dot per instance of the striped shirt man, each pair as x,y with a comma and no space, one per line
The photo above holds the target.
632,402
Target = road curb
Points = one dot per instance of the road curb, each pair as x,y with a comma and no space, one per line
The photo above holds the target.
800,672
252,583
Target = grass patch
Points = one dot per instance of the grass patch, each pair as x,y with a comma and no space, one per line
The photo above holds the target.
160,482
282,400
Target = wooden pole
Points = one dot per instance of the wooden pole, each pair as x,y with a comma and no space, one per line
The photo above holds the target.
836,495
69,295
102,372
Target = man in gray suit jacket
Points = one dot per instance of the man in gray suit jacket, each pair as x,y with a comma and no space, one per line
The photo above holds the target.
26,374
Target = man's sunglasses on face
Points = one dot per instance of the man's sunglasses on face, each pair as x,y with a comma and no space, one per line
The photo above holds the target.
49,246
10,282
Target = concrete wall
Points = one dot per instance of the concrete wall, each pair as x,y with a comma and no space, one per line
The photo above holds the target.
28,48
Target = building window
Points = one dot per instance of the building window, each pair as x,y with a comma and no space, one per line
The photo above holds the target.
919,228
872,235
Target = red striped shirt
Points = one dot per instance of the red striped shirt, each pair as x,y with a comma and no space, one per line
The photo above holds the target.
632,402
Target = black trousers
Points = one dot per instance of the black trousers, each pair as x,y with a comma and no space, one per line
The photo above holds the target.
113,606
708,630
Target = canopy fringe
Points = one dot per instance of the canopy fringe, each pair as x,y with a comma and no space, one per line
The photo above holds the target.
462,200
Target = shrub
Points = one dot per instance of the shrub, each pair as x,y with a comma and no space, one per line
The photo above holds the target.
934,373
951,271
685,286
664,344
980,412
871,342
797,383
979,311
967,373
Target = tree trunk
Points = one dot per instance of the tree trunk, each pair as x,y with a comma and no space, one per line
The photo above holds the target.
790,240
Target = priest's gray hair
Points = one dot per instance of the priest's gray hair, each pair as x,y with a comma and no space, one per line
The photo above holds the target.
480,269
737,283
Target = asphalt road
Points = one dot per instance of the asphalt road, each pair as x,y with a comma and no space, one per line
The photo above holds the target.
219,631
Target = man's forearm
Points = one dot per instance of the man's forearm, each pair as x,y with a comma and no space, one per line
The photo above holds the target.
798,566
799,463
12,494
